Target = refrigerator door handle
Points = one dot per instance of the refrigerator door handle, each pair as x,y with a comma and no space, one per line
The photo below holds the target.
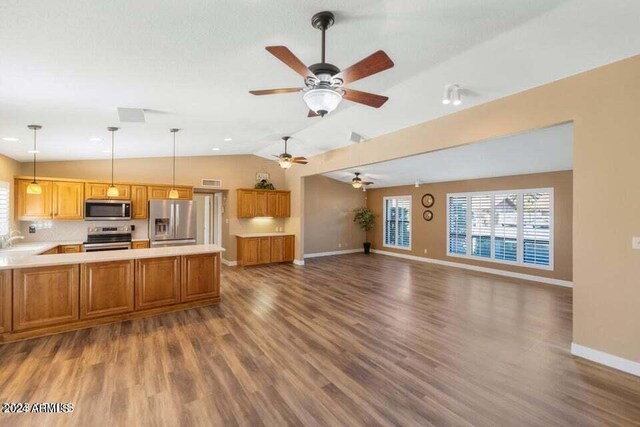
175,232
172,221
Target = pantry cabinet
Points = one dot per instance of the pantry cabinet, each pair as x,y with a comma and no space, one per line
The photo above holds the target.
260,203
265,249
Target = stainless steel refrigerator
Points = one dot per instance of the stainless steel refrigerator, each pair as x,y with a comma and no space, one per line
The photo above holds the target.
172,222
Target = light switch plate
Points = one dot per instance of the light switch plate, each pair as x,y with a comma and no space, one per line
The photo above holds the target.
635,242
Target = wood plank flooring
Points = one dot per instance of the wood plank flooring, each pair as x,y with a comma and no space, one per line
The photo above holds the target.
346,340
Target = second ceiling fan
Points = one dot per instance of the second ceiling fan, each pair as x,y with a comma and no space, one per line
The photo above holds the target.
324,90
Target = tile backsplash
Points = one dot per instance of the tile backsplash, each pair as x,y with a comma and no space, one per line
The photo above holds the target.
58,231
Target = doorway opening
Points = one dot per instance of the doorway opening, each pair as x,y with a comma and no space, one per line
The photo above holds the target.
208,217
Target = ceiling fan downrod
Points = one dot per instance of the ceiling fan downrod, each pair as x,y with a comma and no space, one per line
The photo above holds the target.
322,21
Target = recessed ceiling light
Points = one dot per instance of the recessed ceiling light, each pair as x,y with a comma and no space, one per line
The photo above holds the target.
33,151
95,139
11,139
216,149
228,139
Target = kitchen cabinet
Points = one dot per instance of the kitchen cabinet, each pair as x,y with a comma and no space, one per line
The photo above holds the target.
45,296
157,282
31,207
5,301
256,203
69,249
50,251
139,205
200,277
265,250
68,200
98,190
162,192
106,288
140,244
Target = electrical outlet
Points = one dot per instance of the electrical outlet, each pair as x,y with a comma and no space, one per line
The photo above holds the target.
425,251
339,245
635,242
32,229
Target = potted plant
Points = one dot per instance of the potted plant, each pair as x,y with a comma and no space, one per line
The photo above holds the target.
365,219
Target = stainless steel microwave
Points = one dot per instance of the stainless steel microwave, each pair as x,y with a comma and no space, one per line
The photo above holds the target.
107,210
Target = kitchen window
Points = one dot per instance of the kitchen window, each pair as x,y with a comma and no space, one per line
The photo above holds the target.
4,208
397,222
512,226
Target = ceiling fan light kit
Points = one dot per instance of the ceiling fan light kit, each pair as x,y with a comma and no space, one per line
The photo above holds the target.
357,182
286,160
324,83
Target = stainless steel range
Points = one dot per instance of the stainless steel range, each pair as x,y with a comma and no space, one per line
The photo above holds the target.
110,238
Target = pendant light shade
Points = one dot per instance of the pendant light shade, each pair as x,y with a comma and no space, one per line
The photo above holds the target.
173,193
34,187
112,191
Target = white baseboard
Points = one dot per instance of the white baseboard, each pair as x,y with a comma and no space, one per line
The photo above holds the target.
229,263
547,280
319,254
606,359
298,261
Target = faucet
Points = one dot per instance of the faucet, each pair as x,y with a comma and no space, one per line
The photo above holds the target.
13,236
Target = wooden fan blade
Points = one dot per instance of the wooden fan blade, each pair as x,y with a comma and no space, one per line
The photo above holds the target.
275,91
300,162
366,98
292,61
366,183
275,155
312,114
370,65
299,158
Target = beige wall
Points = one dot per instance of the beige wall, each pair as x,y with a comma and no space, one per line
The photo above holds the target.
237,171
328,210
603,106
8,169
432,235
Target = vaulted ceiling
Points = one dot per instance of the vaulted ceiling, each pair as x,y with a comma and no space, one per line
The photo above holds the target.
68,65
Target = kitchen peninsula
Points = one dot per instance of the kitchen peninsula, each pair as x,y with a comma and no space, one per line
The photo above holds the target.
47,294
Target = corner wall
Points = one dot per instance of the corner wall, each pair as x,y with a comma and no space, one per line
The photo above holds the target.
8,169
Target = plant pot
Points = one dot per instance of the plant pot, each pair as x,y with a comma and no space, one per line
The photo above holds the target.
367,247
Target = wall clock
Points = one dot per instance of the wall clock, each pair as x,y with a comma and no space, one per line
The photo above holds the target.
427,215
428,200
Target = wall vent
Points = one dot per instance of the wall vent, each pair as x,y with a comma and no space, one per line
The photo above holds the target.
209,182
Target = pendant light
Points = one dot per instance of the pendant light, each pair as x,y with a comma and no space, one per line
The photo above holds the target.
112,191
34,187
173,194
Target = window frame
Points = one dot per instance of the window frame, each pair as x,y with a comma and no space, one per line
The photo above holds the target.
520,231
384,222
8,224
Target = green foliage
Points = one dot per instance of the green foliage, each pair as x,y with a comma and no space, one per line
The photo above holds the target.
264,185
365,218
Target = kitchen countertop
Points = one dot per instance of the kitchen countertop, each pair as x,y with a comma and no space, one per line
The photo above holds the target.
26,255
249,235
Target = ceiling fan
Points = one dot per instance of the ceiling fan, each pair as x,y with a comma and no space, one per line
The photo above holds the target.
357,182
323,81
286,159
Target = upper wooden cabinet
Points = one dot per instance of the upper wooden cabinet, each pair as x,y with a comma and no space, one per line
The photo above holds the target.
255,203
58,200
162,192
139,201
98,190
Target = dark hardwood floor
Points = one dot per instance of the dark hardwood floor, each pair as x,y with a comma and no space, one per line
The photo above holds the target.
347,340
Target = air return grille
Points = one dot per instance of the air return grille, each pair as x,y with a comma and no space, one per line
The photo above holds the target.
209,182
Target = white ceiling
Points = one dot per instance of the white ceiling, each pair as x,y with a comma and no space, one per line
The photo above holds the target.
545,150
69,64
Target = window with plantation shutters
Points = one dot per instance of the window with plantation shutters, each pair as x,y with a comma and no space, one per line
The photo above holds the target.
513,226
397,222
4,208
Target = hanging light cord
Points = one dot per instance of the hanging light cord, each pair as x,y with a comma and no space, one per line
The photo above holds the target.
112,153
174,160
34,154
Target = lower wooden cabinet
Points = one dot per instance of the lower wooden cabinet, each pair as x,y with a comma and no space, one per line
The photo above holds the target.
106,288
140,244
265,250
157,282
200,277
5,301
45,296
69,249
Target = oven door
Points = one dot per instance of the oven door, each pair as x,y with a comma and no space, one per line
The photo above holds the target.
107,210
115,246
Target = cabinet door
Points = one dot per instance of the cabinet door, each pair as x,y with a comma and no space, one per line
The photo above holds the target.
264,250
98,190
289,248
140,244
139,201
200,274
106,288
69,249
45,296
158,192
247,251
33,206
68,200
261,204
246,204
284,204
272,204
277,249
5,301
157,282
185,193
